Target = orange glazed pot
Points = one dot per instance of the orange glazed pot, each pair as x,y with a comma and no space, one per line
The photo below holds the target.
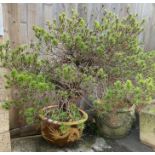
50,129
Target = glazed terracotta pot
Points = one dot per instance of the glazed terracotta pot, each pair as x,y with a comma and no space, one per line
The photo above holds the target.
50,129
115,125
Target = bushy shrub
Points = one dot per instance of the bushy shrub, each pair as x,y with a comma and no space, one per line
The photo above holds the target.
105,63
122,95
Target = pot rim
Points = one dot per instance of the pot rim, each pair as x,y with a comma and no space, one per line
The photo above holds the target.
123,110
43,118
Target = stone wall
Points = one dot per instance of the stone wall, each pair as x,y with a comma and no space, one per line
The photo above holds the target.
5,145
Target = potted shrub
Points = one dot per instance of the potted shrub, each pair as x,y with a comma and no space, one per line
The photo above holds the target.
34,89
64,123
80,61
115,108
109,51
115,114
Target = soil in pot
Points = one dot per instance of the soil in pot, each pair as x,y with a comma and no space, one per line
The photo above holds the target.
61,133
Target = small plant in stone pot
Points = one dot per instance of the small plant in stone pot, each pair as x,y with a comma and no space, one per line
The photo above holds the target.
114,55
121,59
115,106
115,114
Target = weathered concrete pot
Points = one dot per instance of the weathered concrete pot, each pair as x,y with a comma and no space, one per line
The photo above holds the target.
50,129
147,125
115,125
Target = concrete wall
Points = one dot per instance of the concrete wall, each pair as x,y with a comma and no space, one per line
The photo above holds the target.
4,114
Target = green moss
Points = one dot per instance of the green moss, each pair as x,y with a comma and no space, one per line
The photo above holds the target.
152,111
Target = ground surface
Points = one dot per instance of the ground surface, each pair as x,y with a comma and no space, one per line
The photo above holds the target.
88,143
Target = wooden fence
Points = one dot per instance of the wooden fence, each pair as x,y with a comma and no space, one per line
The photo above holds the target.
18,20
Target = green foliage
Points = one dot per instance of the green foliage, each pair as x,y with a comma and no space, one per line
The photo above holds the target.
59,115
30,114
68,72
100,62
115,97
111,44
81,126
64,128
122,95
6,105
30,91
74,111
21,58
72,114
35,87
144,90
29,80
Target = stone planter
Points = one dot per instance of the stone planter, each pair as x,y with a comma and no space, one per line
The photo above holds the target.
147,125
50,129
115,125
